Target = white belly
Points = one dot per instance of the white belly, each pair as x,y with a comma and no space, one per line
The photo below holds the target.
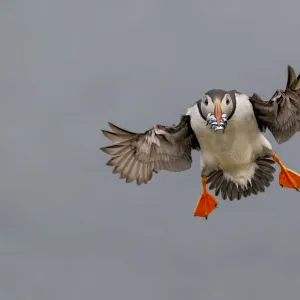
232,149
235,150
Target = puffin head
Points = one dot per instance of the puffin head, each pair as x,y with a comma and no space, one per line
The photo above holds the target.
217,107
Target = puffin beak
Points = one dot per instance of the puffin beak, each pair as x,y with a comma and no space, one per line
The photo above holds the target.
218,111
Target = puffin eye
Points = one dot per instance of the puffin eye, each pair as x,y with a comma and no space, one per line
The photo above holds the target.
206,102
227,101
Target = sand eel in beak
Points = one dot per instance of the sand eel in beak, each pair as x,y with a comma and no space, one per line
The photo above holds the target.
227,128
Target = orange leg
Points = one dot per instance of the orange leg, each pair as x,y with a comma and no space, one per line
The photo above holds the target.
287,177
206,204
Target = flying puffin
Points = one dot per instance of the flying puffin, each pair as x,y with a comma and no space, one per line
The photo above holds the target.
226,127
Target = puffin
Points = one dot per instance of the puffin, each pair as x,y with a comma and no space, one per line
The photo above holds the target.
227,129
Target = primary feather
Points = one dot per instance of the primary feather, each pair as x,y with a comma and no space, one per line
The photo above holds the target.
281,114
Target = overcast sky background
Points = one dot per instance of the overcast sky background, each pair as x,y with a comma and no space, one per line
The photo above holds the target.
69,229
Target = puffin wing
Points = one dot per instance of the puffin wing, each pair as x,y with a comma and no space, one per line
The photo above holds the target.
137,155
281,114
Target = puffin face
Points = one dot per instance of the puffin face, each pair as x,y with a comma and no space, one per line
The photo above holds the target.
217,107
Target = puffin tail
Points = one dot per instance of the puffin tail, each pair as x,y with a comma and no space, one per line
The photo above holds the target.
261,176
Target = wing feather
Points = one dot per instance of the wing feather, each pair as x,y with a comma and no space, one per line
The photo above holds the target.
281,114
136,156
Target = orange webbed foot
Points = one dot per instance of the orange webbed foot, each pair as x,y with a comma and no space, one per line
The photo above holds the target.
206,204
287,177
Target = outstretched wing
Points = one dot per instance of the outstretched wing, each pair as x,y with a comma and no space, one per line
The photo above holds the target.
137,155
281,114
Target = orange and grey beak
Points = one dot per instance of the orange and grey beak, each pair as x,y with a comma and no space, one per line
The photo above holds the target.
218,111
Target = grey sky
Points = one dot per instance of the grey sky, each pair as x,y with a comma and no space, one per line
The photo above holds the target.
69,229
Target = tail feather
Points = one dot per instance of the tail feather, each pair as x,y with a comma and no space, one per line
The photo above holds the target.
261,179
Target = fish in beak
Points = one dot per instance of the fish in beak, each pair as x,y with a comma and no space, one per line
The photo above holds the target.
217,120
